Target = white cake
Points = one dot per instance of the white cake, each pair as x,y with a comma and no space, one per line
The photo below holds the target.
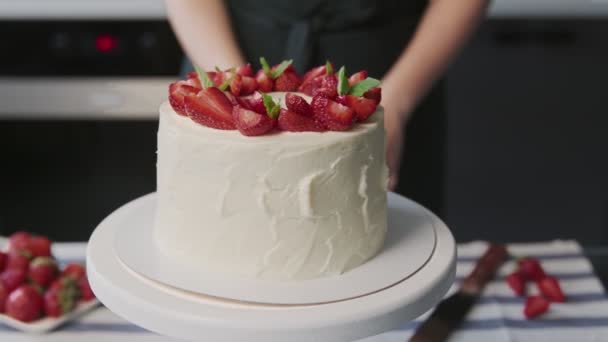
281,206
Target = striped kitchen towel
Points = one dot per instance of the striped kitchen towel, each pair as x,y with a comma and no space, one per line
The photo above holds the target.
497,317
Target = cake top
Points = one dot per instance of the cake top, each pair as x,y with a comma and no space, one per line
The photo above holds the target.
237,99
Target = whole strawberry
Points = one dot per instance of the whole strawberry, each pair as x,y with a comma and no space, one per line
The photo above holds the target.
86,294
74,270
40,246
3,295
24,304
43,270
535,306
13,278
531,268
550,288
19,243
61,297
18,261
517,283
3,261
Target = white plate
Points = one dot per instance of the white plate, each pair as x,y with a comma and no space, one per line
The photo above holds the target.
409,245
190,316
49,323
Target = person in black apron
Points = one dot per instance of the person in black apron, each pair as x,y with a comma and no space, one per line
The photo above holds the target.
359,34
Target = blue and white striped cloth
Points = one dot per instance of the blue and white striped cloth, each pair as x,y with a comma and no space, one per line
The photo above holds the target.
497,317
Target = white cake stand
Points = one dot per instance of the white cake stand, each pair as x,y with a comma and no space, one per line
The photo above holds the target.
191,315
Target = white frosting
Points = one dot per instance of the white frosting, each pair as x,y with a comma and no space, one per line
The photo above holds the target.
280,206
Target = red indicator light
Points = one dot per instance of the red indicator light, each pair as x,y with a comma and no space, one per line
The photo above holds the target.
106,43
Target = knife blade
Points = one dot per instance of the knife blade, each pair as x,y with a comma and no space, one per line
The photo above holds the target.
451,312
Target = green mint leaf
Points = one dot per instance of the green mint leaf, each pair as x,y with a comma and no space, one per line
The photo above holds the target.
343,86
227,82
272,108
265,66
329,69
360,88
281,68
203,77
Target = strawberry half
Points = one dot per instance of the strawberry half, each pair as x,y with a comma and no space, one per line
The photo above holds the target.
357,77
330,114
326,85
294,122
296,103
24,304
363,107
517,283
253,102
236,84
287,81
249,85
550,288
374,94
210,107
177,92
251,123
245,70
265,83
535,306
531,268
42,271
311,75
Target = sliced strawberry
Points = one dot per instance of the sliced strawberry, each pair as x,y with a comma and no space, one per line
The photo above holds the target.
236,84
40,246
326,85
3,261
374,94
535,306
13,278
357,77
211,108
192,74
245,70
74,270
294,122
331,114
531,268
177,92
287,81
550,288
231,98
296,103
517,283
251,123
311,80
253,102
249,85
363,107
24,304
42,271
3,295
265,83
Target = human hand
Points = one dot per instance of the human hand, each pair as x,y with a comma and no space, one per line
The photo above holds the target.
393,123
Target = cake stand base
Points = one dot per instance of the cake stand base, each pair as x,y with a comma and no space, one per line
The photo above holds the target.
193,316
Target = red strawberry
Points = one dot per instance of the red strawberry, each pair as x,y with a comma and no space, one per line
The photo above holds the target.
331,114
40,246
236,85
374,94
245,70
287,81
3,261
19,243
43,270
251,123
535,306
363,107
294,122
18,261
74,270
24,304
86,294
253,102
517,283
211,108
177,92
357,77
265,83
531,268
191,74
231,98
249,85
193,80
3,295
327,85
13,278
550,288
61,297
296,103
311,80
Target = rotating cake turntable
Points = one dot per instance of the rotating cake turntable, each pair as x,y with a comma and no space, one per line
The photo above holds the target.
129,275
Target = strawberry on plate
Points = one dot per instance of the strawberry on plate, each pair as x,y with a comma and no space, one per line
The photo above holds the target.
297,104
362,107
210,107
357,77
61,297
295,122
251,123
3,261
24,304
3,295
177,92
40,246
549,287
74,270
535,306
19,243
330,114
86,294
18,261
13,278
42,271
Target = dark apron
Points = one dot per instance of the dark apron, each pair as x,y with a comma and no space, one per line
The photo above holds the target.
360,34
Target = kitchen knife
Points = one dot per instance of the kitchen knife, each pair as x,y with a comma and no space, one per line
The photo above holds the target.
451,312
